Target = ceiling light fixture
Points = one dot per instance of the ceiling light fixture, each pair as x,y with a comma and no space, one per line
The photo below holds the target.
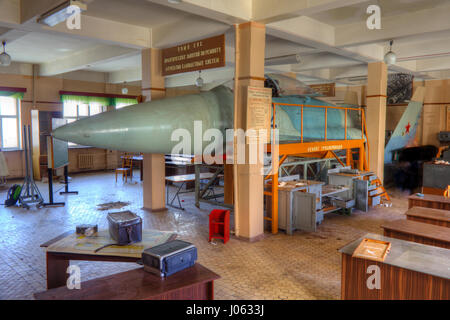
175,1
282,60
199,82
390,57
60,13
5,59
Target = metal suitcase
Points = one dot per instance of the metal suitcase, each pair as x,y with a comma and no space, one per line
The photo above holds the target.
169,258
125,227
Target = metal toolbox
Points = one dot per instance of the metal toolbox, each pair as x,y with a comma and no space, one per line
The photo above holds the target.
169,258
125,227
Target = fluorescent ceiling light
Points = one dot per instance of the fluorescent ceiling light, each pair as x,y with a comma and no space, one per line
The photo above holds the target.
282,60
60,13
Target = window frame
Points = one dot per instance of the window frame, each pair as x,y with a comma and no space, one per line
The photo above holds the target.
78,117
18,118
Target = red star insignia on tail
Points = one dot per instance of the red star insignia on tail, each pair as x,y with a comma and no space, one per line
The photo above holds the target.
407,128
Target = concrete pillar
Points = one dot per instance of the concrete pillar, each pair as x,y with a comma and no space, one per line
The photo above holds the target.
249,185
153,87
376,115
228,184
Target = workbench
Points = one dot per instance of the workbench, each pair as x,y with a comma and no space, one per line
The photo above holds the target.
418,232
429,215
70,246
358,188
429,201
195,283
298,205
409,271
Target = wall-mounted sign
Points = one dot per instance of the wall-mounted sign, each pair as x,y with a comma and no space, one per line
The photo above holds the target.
259,101
198,55
326,89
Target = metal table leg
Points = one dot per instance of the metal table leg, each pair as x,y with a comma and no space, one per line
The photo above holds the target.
177,196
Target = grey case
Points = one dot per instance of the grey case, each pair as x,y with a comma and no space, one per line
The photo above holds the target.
125,227
169,258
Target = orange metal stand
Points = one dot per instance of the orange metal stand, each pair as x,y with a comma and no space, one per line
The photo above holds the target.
321,149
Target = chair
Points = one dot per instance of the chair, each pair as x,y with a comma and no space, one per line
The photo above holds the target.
127,168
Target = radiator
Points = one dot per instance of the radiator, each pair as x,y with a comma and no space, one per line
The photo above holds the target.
86,161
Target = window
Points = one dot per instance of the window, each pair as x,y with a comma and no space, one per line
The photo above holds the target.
9,123
121,105
123,102
73,111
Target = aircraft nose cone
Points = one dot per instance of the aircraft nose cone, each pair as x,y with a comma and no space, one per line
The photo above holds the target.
69,133
77,132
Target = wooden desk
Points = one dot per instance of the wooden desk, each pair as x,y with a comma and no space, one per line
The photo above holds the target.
429,201
195,283
410,271
418,232
69,246
429,215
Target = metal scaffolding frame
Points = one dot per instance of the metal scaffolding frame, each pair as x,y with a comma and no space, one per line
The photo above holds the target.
316,149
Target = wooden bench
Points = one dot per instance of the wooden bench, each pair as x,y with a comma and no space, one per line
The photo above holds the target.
428,215
195,283
418,232
429,201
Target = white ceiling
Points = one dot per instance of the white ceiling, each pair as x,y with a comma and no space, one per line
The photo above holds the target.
358,13
136,12
136,24
37,47
132,62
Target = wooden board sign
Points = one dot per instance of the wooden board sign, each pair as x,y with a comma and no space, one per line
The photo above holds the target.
259,101
193,56
326,89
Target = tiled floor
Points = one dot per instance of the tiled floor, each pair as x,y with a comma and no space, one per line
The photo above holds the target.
302,266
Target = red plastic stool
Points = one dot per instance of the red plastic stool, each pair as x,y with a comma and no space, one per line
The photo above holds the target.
219,225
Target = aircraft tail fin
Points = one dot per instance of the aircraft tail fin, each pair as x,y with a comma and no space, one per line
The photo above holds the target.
406,129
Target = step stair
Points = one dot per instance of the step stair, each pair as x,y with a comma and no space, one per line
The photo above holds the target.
377,193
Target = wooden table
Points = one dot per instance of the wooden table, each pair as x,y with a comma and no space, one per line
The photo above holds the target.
429,201
418,232
67,246
182,180
195,283
410,271
170,162
429,215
